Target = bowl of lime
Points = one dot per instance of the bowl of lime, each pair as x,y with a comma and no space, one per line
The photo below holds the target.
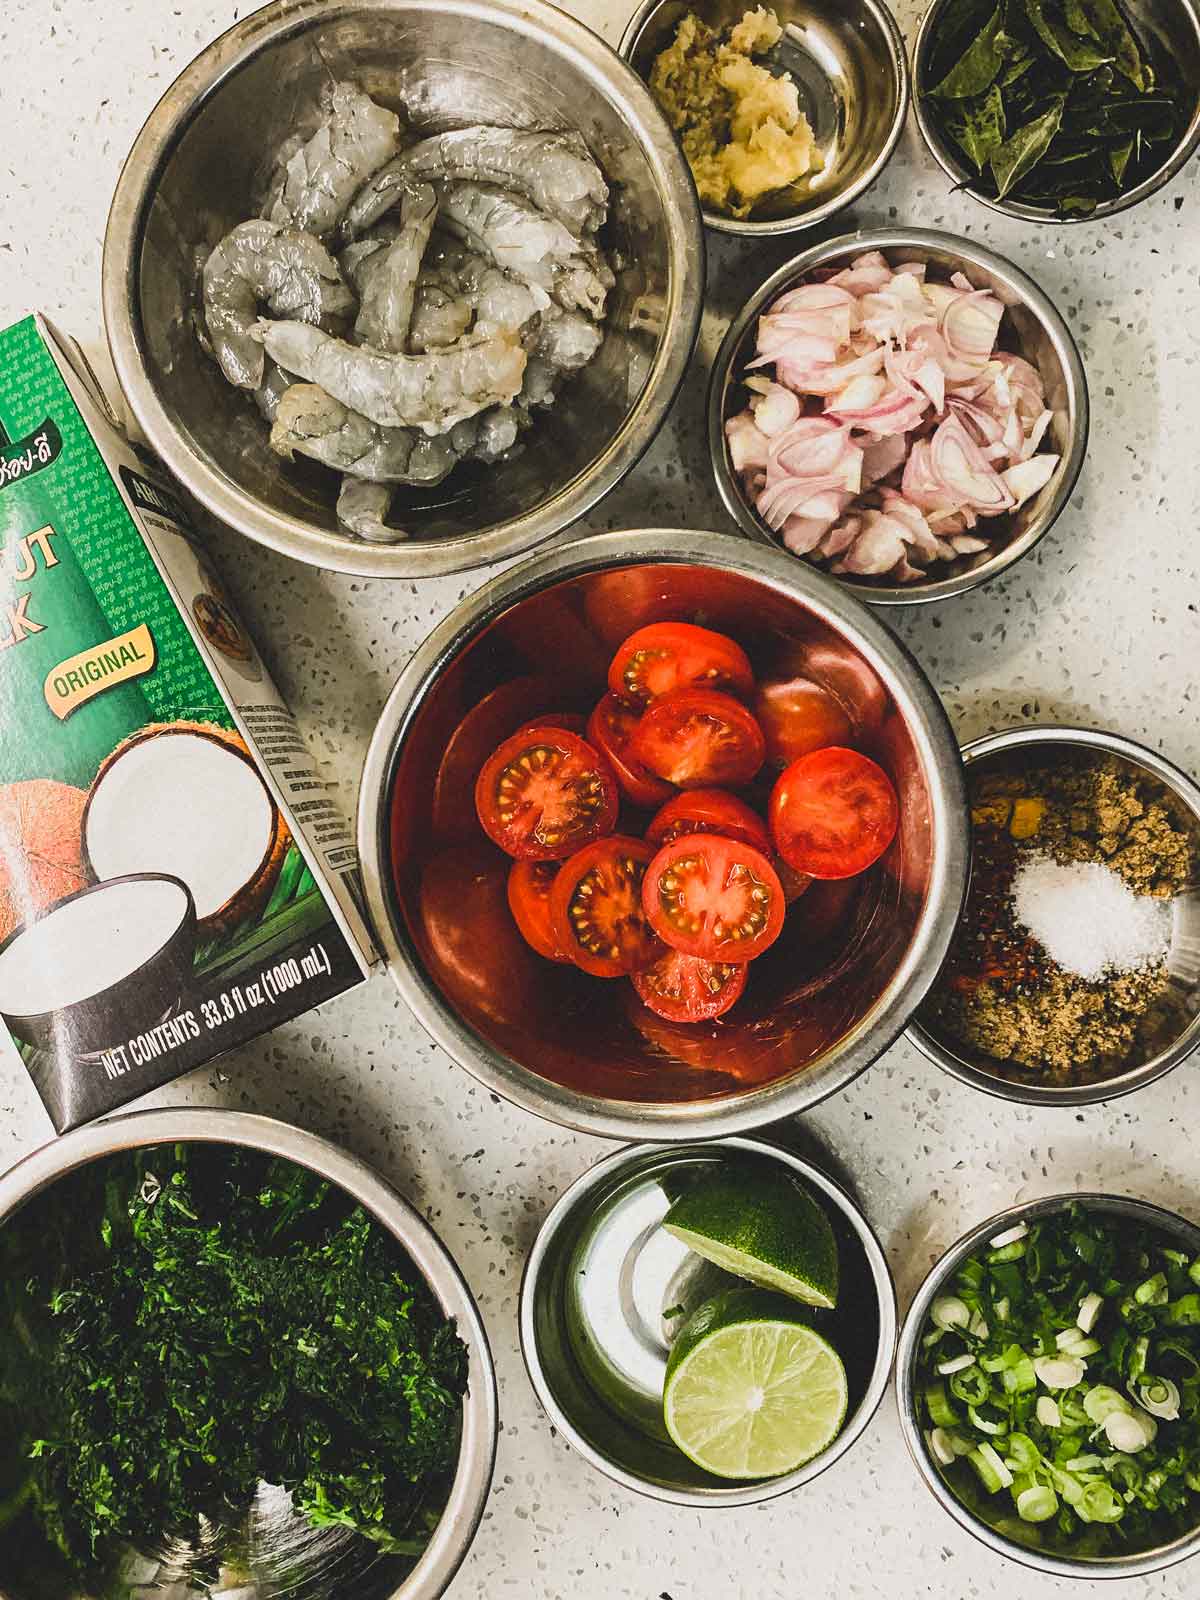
708,1324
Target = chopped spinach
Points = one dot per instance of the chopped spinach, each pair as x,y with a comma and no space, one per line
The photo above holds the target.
1030,85
179,1324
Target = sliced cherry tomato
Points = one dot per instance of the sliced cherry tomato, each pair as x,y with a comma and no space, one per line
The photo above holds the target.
596,908
796,716
833,813
689,989
699,739
529,886
573,721
678,655
708,811
498,714
544,793
609,729
713,897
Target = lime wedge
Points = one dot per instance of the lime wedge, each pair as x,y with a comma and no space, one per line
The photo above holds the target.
752,1390
758,1222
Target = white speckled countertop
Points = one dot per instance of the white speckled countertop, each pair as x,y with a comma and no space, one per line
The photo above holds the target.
1099,625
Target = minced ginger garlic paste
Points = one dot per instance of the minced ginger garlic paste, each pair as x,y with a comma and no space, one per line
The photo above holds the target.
741,127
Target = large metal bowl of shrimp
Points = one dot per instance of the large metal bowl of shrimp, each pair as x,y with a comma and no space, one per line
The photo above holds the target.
401,288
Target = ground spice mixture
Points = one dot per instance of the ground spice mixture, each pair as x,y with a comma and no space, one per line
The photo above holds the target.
1000,992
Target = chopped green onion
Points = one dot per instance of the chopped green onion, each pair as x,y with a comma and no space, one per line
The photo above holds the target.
1194,1271
1160,1397
993,1474
941,1413
1184,1312
1129,1431
948,1312
1137,1358
1100,1403
1047,1412
955,1364
1019,1230
1023,1454
1002,1309
1153,1292
1100,1503
1059,1372
939,1447
1008,1252
993,1425
971,1386
1085,1347
1037,1504
1090,1308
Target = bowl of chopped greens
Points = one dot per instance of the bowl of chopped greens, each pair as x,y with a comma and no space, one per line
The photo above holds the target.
1059,110
1049,1385
233,1361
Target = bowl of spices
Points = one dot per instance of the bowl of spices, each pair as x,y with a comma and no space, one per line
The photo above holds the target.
1073,976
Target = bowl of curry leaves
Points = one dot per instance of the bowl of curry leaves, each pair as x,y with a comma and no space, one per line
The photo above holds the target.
233,1361
1059,110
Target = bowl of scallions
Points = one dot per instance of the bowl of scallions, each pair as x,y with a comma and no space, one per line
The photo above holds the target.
1048,1378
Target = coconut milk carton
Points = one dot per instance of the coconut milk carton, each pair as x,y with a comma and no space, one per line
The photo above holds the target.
174,878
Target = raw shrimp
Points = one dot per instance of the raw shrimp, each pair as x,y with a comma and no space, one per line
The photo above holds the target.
553,170
432,391
313,185
439,317
565,339
389,275
276,382
534,248
312,422
362,506
286,269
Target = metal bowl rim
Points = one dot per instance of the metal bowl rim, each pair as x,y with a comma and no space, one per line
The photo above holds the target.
293,536
744,227
1032,296
1084,1094
607,1169
915,698
960,176
906,1360
467,1500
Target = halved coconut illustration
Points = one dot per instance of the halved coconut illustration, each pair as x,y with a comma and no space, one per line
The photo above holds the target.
41,856
186,798
101,965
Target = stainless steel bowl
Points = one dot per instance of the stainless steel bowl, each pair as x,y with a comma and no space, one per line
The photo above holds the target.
820,1006
1171,31
942,1483
599,1279
849,63
1032,327
193,172
1173,1032
323,1563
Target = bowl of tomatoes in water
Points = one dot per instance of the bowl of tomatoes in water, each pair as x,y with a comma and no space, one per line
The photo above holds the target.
663,835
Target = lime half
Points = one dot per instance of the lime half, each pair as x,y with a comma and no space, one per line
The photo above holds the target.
752,1389
758,1222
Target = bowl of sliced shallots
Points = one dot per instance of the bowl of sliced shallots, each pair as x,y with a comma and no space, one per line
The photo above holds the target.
902,408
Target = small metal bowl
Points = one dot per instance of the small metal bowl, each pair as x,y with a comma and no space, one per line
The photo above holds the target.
1175,1030
194,171
821,1005
953,1492
324,1564
849,63
602,1275
1171,31
1032,327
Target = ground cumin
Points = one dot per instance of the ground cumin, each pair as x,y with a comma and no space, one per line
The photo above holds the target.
1000,993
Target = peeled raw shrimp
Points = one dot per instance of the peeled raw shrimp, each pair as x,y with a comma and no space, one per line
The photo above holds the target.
432,391
312,422
534,248
276,382
313,185
554,170
262,262
565,339
361,508
439,317
389,275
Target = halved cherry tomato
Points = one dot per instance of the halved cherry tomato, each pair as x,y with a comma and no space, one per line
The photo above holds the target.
708,811
688,988
544,793
699,739
713,897
678,655
796,716
496,716
573,721
529,886
833,813
609,729
596,908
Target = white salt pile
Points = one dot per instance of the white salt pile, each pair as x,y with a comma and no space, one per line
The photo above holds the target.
1088,919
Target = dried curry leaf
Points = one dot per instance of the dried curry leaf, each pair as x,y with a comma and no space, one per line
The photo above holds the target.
976,68
977,126
1079,55
1118,160
1018,155
1111,28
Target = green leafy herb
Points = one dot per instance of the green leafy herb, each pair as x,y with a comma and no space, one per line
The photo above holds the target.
208,1319
1061,1371
1036,84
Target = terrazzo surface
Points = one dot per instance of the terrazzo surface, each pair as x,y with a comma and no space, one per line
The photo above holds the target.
1100,625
